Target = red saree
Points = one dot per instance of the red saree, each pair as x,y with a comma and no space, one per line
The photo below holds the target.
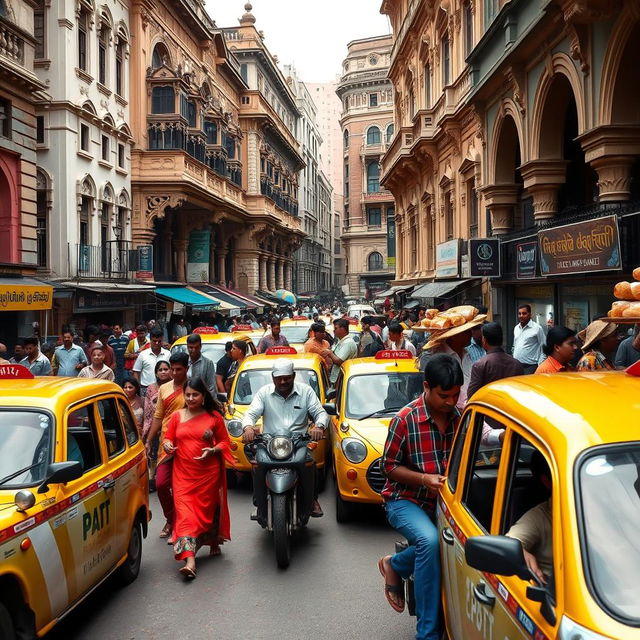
199,486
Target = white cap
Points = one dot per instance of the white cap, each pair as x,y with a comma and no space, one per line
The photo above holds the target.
282,367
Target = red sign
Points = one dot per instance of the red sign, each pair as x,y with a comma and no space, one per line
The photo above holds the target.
353,320
280,351
634,369
206,330
299,318
242,327
389,354
15,372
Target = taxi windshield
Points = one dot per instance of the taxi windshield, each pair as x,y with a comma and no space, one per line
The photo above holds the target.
252,380
214,350
295,334
381,393
25,448
610,528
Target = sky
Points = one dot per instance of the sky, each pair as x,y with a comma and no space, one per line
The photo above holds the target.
310,34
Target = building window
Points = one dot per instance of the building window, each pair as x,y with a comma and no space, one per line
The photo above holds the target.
412,104
390,132
120,68
373,135
40,129
121,155
374,217
373,99
472,199
446,61
346,216
104,238
427,86
211,130
375,261
468,28
85,207
188,110
490,12
103,39
345,138
413,244
41,222
83,19
84,137
39,29
163,100
105,148
373,177
448,215
243,72
159,57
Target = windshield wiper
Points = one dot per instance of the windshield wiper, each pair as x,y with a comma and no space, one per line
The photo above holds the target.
379,412
17,473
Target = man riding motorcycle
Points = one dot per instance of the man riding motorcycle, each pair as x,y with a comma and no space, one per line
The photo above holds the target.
286,407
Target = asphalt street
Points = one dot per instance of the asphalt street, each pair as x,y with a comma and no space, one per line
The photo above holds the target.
332,588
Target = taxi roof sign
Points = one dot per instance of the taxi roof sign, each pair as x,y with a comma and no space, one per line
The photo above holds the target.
353,320
205,330
391,354
300,318
242,327
634,369
280,351
15,372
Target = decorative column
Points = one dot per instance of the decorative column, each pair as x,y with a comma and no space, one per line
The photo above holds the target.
280,274
288,272
500,200
181,258
212,261
263,273
272,274
222,272
542,180
614,177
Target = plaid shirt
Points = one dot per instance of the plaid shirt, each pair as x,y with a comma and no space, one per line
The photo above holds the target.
414,441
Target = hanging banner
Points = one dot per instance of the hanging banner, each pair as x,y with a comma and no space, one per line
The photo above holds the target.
448,259
145,262
198,256
391,241
526,258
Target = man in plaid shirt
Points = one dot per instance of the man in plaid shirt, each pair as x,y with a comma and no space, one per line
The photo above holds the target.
415,461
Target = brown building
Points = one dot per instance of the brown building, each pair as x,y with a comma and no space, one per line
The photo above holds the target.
215,163
367,128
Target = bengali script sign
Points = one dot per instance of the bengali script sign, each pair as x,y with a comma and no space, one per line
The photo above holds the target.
593,245
22,297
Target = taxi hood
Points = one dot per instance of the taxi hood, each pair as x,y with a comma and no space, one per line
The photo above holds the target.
373,430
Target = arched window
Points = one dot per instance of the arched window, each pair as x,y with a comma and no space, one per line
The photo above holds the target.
373,177
103,57
42,219
121,50
390,131
373,135
345,137
375,261
160,56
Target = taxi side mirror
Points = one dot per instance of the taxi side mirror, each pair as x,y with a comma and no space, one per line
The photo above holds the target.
222,397
331,394
61,472
497,554
330,408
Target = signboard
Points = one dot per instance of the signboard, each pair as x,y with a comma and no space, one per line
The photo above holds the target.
391,242
593,245
15,372
198,256
448,259
484,257
526,259
25,297
145,262
99,302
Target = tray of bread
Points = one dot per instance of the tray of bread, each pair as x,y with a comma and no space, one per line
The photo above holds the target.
435,320
626,308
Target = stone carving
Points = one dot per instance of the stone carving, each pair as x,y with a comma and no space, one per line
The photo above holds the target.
516,79
589,11
157,205
579,43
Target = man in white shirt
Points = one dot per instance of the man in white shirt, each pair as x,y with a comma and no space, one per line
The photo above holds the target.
97,369
343,349
528,340
145,365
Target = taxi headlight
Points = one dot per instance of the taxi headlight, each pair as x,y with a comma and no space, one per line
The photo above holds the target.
570,630
234,427
280,448
354,450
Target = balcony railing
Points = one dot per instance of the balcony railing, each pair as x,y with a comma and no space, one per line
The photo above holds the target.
11,44
114,260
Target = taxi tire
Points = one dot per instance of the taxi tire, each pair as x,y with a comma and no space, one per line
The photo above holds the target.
130,569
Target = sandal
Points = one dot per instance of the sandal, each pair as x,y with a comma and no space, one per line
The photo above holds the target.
389,589
187,572
215,550
166,531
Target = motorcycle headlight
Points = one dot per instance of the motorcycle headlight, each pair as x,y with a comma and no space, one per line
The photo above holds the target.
280,448
234,427
354,450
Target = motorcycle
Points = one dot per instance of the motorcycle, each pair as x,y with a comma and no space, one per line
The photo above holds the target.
283,481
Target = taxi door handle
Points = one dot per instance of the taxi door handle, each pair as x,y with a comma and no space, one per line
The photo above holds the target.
481,595
108,484
447,536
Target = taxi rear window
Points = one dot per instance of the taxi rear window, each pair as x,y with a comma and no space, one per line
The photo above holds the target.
26,447
214,350
295,334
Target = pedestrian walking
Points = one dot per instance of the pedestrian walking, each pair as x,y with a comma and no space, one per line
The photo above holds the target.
397,341
599,344
97,369
198,440
135,346
35,361
180,329
475,349
238,353
272,339
343,349
19,353
528,340
222,367
560,348
68,358
629,351
119,342
199,365
131,388
145,364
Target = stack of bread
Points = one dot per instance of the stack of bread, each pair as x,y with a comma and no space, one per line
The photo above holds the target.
435,320
628,294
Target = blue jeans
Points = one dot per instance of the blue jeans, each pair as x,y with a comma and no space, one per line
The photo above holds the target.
421,559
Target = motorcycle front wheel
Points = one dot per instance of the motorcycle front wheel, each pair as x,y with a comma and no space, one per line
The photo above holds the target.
281,538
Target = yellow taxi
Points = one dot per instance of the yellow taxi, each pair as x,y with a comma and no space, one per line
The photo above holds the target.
562,480
296,331
255,372
74,502
369,392
213,341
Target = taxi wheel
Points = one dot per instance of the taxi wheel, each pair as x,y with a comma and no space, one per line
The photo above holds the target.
344,510
129,571
7,631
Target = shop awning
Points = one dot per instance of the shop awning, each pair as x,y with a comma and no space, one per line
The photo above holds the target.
227,300
188,296
25,294
266,295
411,304
440,288
110,287
252,301
398,288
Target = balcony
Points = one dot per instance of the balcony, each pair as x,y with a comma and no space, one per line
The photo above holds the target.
377,149
114,260
400,148
382,195
11,44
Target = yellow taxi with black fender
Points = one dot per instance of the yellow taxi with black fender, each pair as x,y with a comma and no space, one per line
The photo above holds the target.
74,501
562,485
213,341
255,372
369,392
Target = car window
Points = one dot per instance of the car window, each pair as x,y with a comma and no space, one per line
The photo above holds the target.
295,334
482,472
384,392
82,438
456,455
130,428
111,426
250,381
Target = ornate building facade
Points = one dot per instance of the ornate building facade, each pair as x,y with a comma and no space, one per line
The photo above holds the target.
367,129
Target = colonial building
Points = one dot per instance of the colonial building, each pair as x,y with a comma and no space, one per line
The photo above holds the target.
312,261
536,107
367,129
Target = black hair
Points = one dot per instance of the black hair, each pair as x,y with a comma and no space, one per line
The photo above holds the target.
133,382
317,326
242,345
155,369
274,322
442,370
179,358
555,337
194,338
31,341
210,403
492,333
92,330
227,346
156,333
343,323
396,327
525,306
366,320
67,330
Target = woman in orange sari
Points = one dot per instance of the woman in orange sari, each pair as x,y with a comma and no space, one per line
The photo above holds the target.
197,438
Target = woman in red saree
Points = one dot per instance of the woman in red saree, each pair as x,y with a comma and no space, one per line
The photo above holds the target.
198,440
